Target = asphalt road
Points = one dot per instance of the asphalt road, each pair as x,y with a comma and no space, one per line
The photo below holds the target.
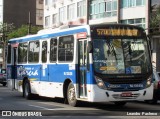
13,105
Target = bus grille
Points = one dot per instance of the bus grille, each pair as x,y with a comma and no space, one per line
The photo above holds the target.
124,81
133,96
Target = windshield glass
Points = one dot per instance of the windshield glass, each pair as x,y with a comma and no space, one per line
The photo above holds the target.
121,56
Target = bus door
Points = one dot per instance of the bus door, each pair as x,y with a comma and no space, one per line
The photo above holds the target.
14,69
82,67
44,66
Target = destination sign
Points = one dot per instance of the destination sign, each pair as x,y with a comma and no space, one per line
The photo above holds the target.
117,32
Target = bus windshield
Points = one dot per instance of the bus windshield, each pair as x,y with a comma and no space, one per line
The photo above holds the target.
121,56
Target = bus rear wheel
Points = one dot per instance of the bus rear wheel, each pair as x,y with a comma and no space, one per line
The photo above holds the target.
4,84
27,90
71,95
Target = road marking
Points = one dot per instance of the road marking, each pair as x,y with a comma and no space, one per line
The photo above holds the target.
41,107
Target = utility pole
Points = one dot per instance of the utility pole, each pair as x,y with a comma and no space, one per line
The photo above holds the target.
29,24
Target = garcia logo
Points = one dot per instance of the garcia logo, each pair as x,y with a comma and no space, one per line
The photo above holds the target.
27,71
32,73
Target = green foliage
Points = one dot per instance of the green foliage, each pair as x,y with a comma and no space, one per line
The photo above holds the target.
155,20
5,29
23,31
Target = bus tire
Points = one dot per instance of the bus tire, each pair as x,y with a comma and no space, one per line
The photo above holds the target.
4,84
153,101
71,96
27,90
119,103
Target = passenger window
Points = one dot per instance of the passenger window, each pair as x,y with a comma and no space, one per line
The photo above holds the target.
66,48
22,52
9,54
33,55
53,50
44,52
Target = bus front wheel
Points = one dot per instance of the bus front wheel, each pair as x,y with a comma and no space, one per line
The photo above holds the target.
71,96
27,90
120,103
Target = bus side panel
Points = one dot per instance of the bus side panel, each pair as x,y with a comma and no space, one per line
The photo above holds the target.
9,76
90,83
32,72
58,73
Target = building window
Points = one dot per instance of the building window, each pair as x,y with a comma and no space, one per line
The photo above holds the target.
102,9
131,3
81,6
22,52
40,1
53,50
44,52
33,55
54,1
138,22
140,2
66,48
54,18
47,21
109,9
114,8
71,11
47,2
39,12
62,14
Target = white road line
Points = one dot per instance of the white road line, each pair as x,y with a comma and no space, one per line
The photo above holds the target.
41,107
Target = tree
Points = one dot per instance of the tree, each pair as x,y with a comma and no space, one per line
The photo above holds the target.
7,32
155,19
5,29
23,31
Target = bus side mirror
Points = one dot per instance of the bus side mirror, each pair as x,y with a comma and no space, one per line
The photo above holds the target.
89,48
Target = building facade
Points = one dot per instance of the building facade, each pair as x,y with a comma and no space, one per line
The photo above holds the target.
20,12
39,12
63,12
79,12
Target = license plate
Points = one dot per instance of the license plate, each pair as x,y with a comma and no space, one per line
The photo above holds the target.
126,94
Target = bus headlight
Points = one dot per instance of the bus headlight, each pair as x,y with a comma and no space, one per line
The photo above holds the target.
100,82
149,82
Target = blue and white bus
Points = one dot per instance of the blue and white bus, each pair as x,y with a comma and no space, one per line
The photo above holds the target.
94,63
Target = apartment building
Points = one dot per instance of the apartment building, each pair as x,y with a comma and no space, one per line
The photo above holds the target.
39,12
79,12
63,12
20,12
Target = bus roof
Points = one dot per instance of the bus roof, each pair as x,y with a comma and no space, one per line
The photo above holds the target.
49,34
